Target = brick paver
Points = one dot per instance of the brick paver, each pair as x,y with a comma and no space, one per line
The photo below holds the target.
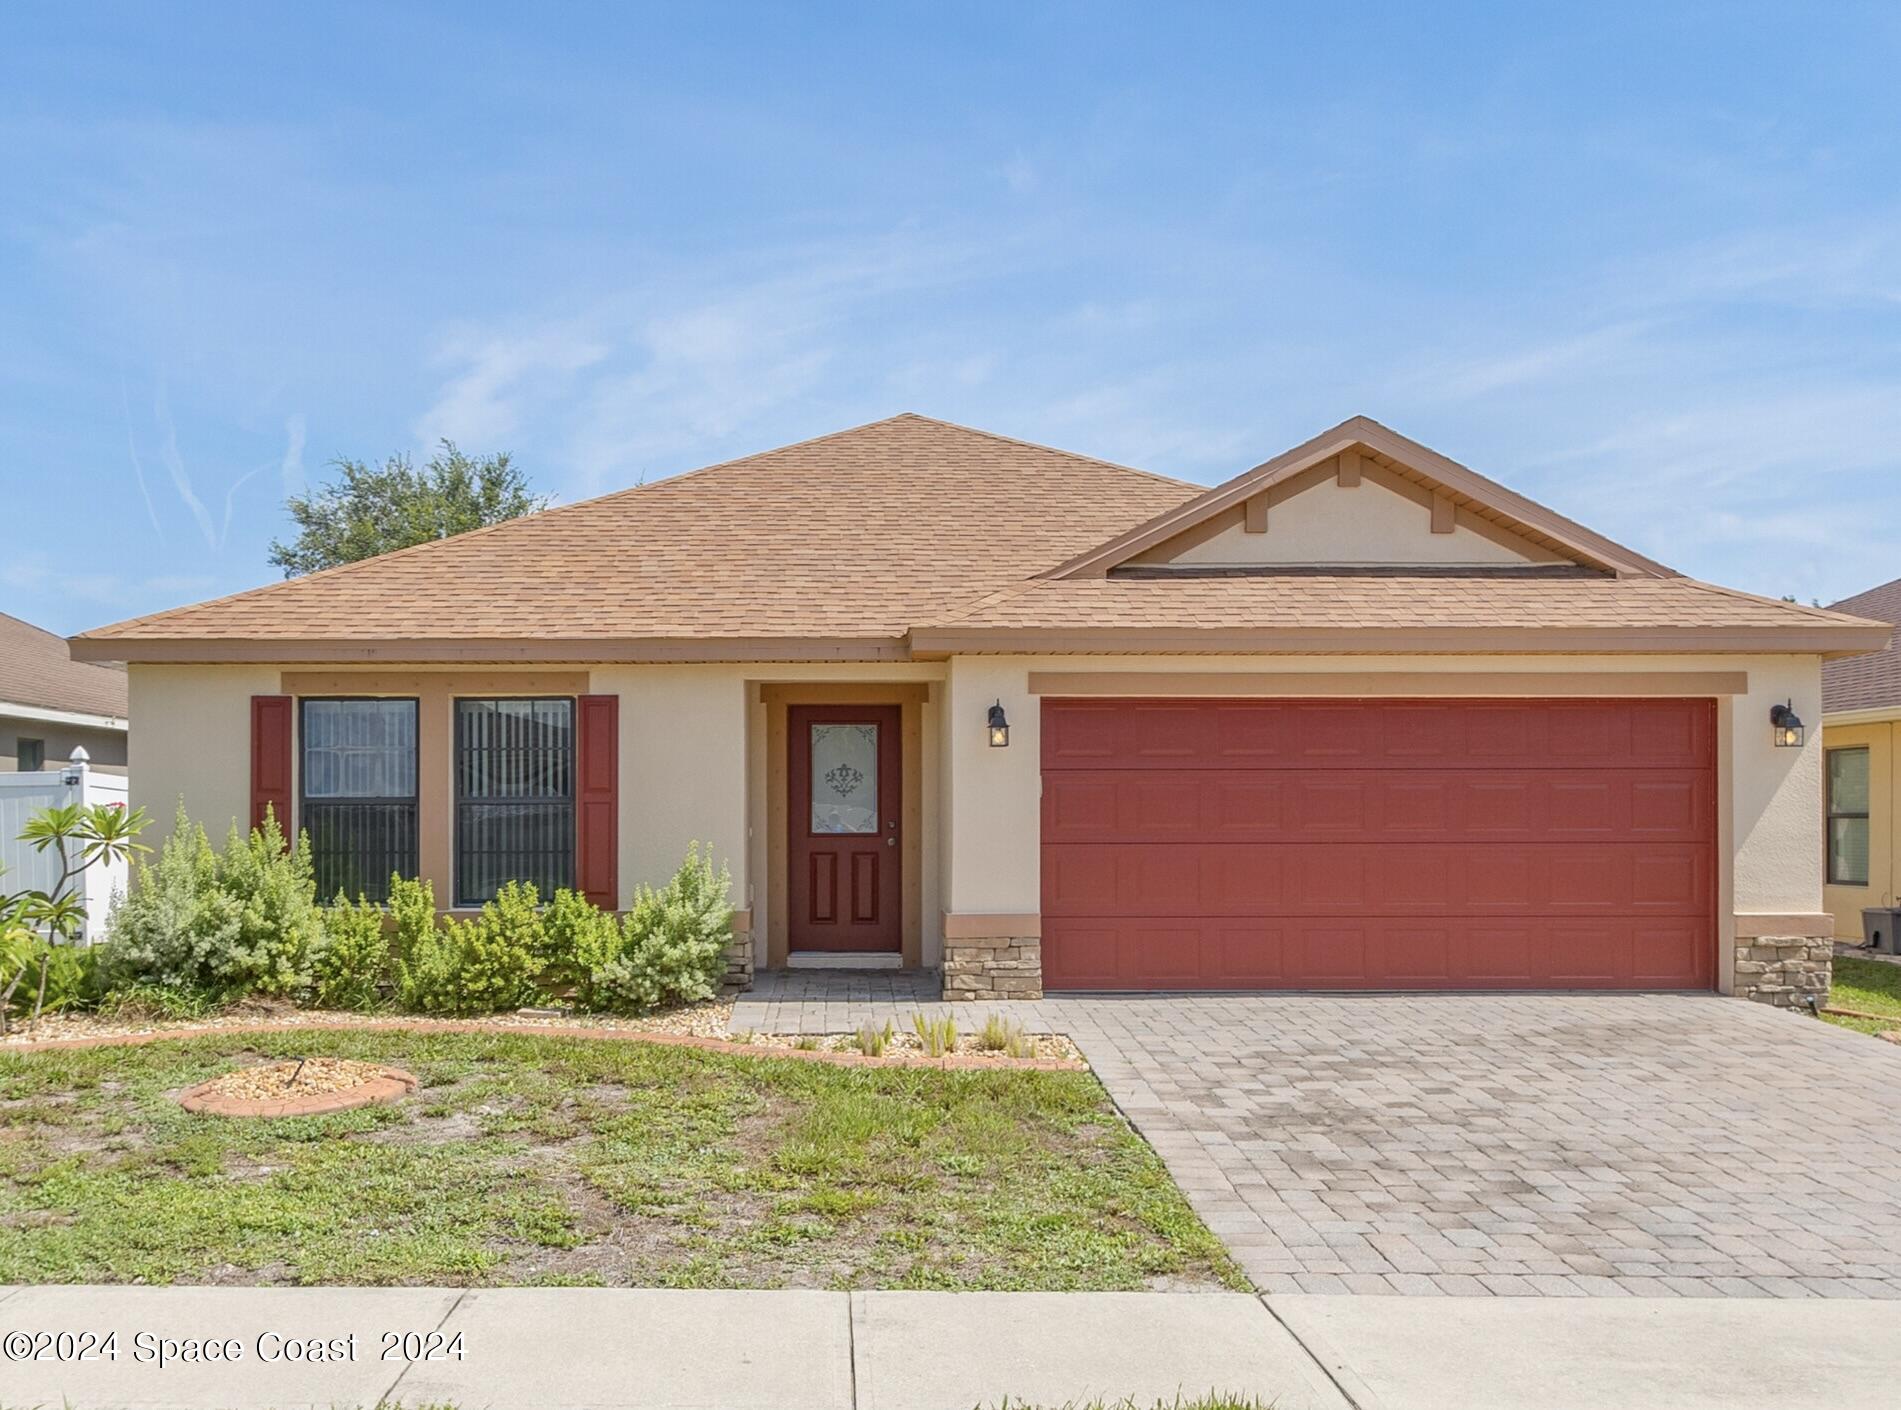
1564,1145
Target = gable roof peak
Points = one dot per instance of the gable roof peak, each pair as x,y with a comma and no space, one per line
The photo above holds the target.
1400,453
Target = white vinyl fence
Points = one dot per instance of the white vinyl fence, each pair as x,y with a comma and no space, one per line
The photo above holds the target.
23,869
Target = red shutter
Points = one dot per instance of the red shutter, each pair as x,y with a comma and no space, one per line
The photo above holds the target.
597,801
270,759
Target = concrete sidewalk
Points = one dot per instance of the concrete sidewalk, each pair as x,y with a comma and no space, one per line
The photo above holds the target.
540,1349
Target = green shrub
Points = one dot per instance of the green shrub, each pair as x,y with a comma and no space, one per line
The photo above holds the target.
578,939
672,941
71,971
134,1002
221,925
280,924
347,971
412,909
475,966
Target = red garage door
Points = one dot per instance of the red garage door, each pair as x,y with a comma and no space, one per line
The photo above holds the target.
1391,844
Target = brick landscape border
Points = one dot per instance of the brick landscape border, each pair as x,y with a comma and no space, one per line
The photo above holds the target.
957,1062
392,1083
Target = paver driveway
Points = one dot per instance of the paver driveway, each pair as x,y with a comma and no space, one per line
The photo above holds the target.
1657,1145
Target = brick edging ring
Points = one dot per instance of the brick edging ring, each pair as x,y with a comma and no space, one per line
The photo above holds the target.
956,1062
387,1086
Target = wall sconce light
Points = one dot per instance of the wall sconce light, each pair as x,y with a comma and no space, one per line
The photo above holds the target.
999,727
1786,726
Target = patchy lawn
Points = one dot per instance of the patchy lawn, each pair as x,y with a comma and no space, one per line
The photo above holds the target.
541,1160
1871,986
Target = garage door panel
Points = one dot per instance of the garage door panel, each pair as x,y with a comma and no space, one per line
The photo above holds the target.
1494,954
1586,954
1304,734
1411,954
1671,954
1245,954
1313,879
1356,805
1369,844
1188,952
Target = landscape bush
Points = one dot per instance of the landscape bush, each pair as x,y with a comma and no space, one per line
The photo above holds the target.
348,972
219,925
465,967
202,927
672,941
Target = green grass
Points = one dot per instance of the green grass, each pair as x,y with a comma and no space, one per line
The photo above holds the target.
1868,985
530,1160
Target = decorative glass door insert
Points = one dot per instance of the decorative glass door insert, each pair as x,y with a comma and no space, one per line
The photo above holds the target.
844,778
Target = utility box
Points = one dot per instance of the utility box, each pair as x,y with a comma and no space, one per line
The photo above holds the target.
1878,927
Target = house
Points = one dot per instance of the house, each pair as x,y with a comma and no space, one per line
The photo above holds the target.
1861,713
1357,718
51,704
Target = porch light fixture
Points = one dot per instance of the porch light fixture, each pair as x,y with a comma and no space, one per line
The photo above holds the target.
999,727
1785,726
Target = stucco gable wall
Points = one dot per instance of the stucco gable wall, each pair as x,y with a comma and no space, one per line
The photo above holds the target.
1359,524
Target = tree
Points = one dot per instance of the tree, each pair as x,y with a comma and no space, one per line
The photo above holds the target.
369,510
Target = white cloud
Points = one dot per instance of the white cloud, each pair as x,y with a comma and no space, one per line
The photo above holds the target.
291,470
501,377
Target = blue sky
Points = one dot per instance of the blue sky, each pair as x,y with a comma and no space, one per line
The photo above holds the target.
1642,263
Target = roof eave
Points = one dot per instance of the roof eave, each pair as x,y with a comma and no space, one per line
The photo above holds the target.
425,650
1862,715
1826,641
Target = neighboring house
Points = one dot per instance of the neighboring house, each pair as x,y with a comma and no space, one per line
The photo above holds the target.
51,704
1357,718
1861,714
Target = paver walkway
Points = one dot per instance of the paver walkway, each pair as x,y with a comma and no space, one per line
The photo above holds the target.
1538,1144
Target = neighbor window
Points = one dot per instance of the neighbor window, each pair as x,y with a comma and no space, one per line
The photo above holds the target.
359,793
29,754
514,796
1848,817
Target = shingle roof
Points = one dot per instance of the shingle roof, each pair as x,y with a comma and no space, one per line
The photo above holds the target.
855,534
1871,682
36,669
858,543
1344,602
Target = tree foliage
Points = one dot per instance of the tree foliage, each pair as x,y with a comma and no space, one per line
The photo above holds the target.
367,510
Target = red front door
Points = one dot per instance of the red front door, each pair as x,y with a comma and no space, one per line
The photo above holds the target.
842,826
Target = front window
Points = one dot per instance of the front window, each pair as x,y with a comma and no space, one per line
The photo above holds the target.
359,793
1848,817
514,796
29,754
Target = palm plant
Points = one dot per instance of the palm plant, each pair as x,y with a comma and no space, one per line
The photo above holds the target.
38,928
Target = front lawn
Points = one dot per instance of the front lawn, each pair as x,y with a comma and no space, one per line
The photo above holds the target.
528,1159
1870,986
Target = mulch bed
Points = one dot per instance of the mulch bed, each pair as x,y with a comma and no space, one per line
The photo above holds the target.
305,1087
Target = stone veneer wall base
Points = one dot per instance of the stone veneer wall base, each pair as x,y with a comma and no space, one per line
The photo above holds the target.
1784,970
988,968
739,963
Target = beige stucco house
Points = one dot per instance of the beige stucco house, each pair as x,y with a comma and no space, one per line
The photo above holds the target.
1357,718
1861,714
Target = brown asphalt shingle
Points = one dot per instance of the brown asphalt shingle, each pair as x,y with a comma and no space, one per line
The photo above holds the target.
856,534
1870,682
1353,601
36,669
861,536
